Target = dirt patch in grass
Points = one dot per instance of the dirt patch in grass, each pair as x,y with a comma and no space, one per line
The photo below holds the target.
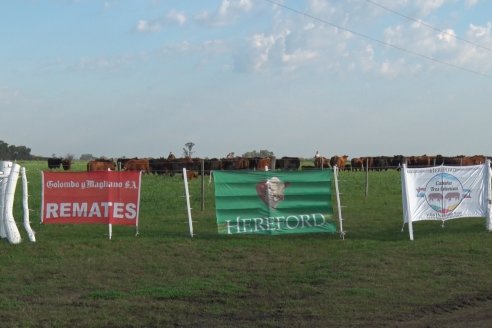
473,311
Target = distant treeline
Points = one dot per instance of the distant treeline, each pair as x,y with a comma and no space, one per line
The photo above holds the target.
13,153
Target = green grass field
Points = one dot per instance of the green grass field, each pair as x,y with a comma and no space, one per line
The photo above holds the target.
74,276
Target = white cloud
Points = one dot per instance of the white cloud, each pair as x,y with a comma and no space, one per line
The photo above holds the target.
262,45
177,17
393,69
144,26
156,25
298,57
480,32
227,13
234,5
476,54
296,41
367,58
318,5
245,5
386,68
394,34
428,6
448,36
309,26
224,7
109,4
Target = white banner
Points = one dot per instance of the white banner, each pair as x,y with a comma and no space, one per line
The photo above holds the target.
445,192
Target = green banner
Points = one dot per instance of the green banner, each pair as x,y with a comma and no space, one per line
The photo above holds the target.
274,202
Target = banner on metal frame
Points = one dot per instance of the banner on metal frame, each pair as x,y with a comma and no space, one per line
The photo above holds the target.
446,192
107,197
274,202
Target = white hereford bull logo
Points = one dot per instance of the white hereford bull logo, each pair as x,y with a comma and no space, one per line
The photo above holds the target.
271,191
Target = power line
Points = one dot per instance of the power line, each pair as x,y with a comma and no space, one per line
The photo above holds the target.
408,51
428,25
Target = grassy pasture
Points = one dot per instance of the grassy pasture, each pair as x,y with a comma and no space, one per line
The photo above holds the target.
74,276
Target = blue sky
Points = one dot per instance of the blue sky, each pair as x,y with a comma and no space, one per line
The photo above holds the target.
142,78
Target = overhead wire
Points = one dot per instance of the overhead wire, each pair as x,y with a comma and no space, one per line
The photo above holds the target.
419,21
365,36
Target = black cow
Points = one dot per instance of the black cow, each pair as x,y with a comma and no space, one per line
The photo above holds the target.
381,163
160,166
191,164
397,161
66,164
213,164
236,163
288,163
54,162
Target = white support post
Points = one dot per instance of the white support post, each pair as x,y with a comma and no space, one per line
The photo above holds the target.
5,168
339,206
187,195
25,206
406,207
11,229
489,195
139,190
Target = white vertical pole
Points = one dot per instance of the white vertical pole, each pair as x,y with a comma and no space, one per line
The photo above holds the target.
11,229
5,168
339,206
139,189
187,194
25,206
489,194
406,202
110,225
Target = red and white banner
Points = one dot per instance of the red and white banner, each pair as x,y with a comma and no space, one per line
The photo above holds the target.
108,197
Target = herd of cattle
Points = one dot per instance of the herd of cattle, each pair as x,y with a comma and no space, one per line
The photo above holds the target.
395,162
175,165
172,165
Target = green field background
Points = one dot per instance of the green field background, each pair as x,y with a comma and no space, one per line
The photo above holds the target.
74,276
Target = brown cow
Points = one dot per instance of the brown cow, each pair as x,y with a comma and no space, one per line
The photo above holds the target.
339,161
101,165
321,162
190,174
423,161
137,165
476,160
263,164
357,164
460,160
